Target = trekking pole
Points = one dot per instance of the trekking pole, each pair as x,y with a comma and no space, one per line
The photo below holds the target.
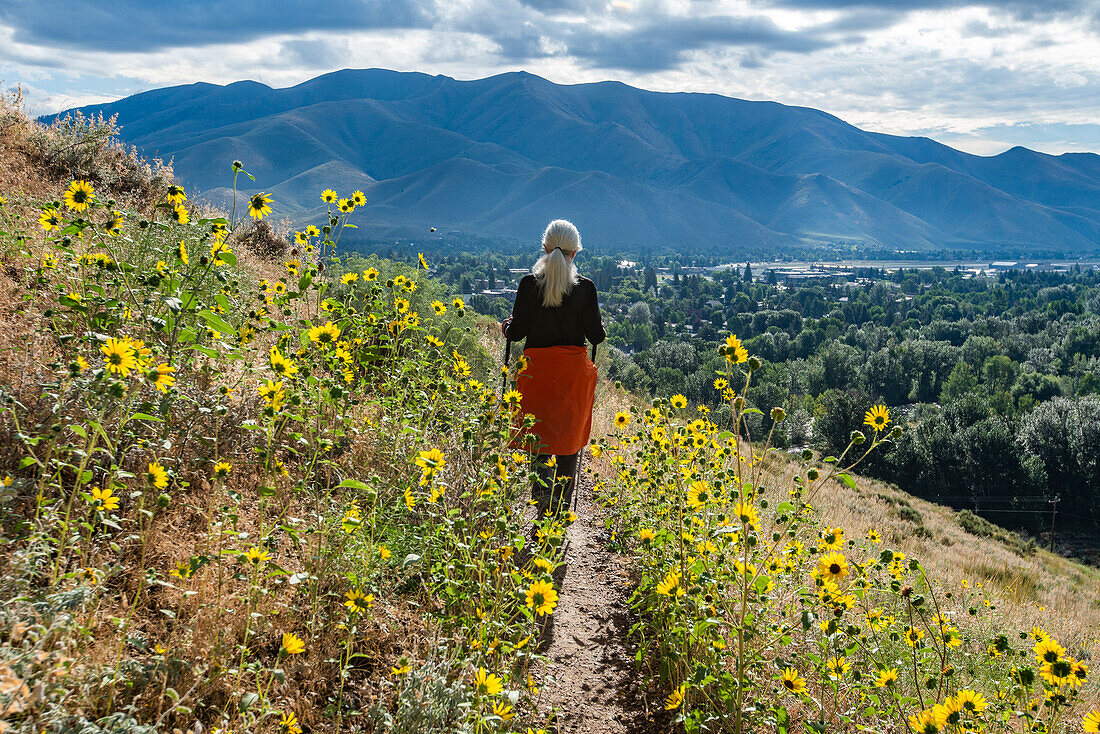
580,457
507,359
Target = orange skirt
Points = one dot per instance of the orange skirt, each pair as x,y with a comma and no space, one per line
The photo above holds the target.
558,388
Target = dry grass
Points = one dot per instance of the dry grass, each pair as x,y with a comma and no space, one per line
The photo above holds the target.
1043,589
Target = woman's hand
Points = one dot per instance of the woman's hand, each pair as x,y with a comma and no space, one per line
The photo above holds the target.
504,326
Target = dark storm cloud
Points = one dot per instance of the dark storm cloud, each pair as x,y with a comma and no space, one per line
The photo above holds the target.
655,44
149,25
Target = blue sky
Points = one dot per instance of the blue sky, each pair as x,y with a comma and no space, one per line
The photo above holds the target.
981,76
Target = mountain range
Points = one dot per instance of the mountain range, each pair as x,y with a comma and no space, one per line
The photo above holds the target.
501,156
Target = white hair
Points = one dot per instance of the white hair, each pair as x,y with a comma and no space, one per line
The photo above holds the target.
554,271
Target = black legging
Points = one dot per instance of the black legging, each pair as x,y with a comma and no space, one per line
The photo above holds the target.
553,489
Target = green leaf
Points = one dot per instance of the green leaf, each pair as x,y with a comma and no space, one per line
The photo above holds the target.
213,353
144,417
807,620
216,322
847,480
784,507
353,484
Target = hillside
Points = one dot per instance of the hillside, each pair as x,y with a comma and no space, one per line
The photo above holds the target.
501,156
240,493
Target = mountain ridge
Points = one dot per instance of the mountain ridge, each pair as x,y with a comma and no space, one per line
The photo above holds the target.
629,166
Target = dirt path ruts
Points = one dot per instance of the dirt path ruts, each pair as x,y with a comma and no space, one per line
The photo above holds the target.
593,685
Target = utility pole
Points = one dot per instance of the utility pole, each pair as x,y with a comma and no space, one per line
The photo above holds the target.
1053,514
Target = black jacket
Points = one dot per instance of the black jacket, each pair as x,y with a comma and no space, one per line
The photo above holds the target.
576,319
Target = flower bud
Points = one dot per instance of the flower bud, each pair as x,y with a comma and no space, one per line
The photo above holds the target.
778,414
755,364
857,437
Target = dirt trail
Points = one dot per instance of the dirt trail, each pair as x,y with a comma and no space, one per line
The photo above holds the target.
594,686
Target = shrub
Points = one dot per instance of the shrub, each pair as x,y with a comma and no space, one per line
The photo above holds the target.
908,514
89,148
976,525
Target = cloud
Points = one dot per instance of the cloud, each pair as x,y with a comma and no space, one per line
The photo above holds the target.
1027,8
313,53
980,28
150,25
655,46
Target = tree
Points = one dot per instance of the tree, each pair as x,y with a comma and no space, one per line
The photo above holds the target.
886,378
999,372
643,337
1041,387
960,382
1064,433
843,412
977,349
639,312
748,273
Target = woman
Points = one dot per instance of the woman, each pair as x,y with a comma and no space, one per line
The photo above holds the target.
555,311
